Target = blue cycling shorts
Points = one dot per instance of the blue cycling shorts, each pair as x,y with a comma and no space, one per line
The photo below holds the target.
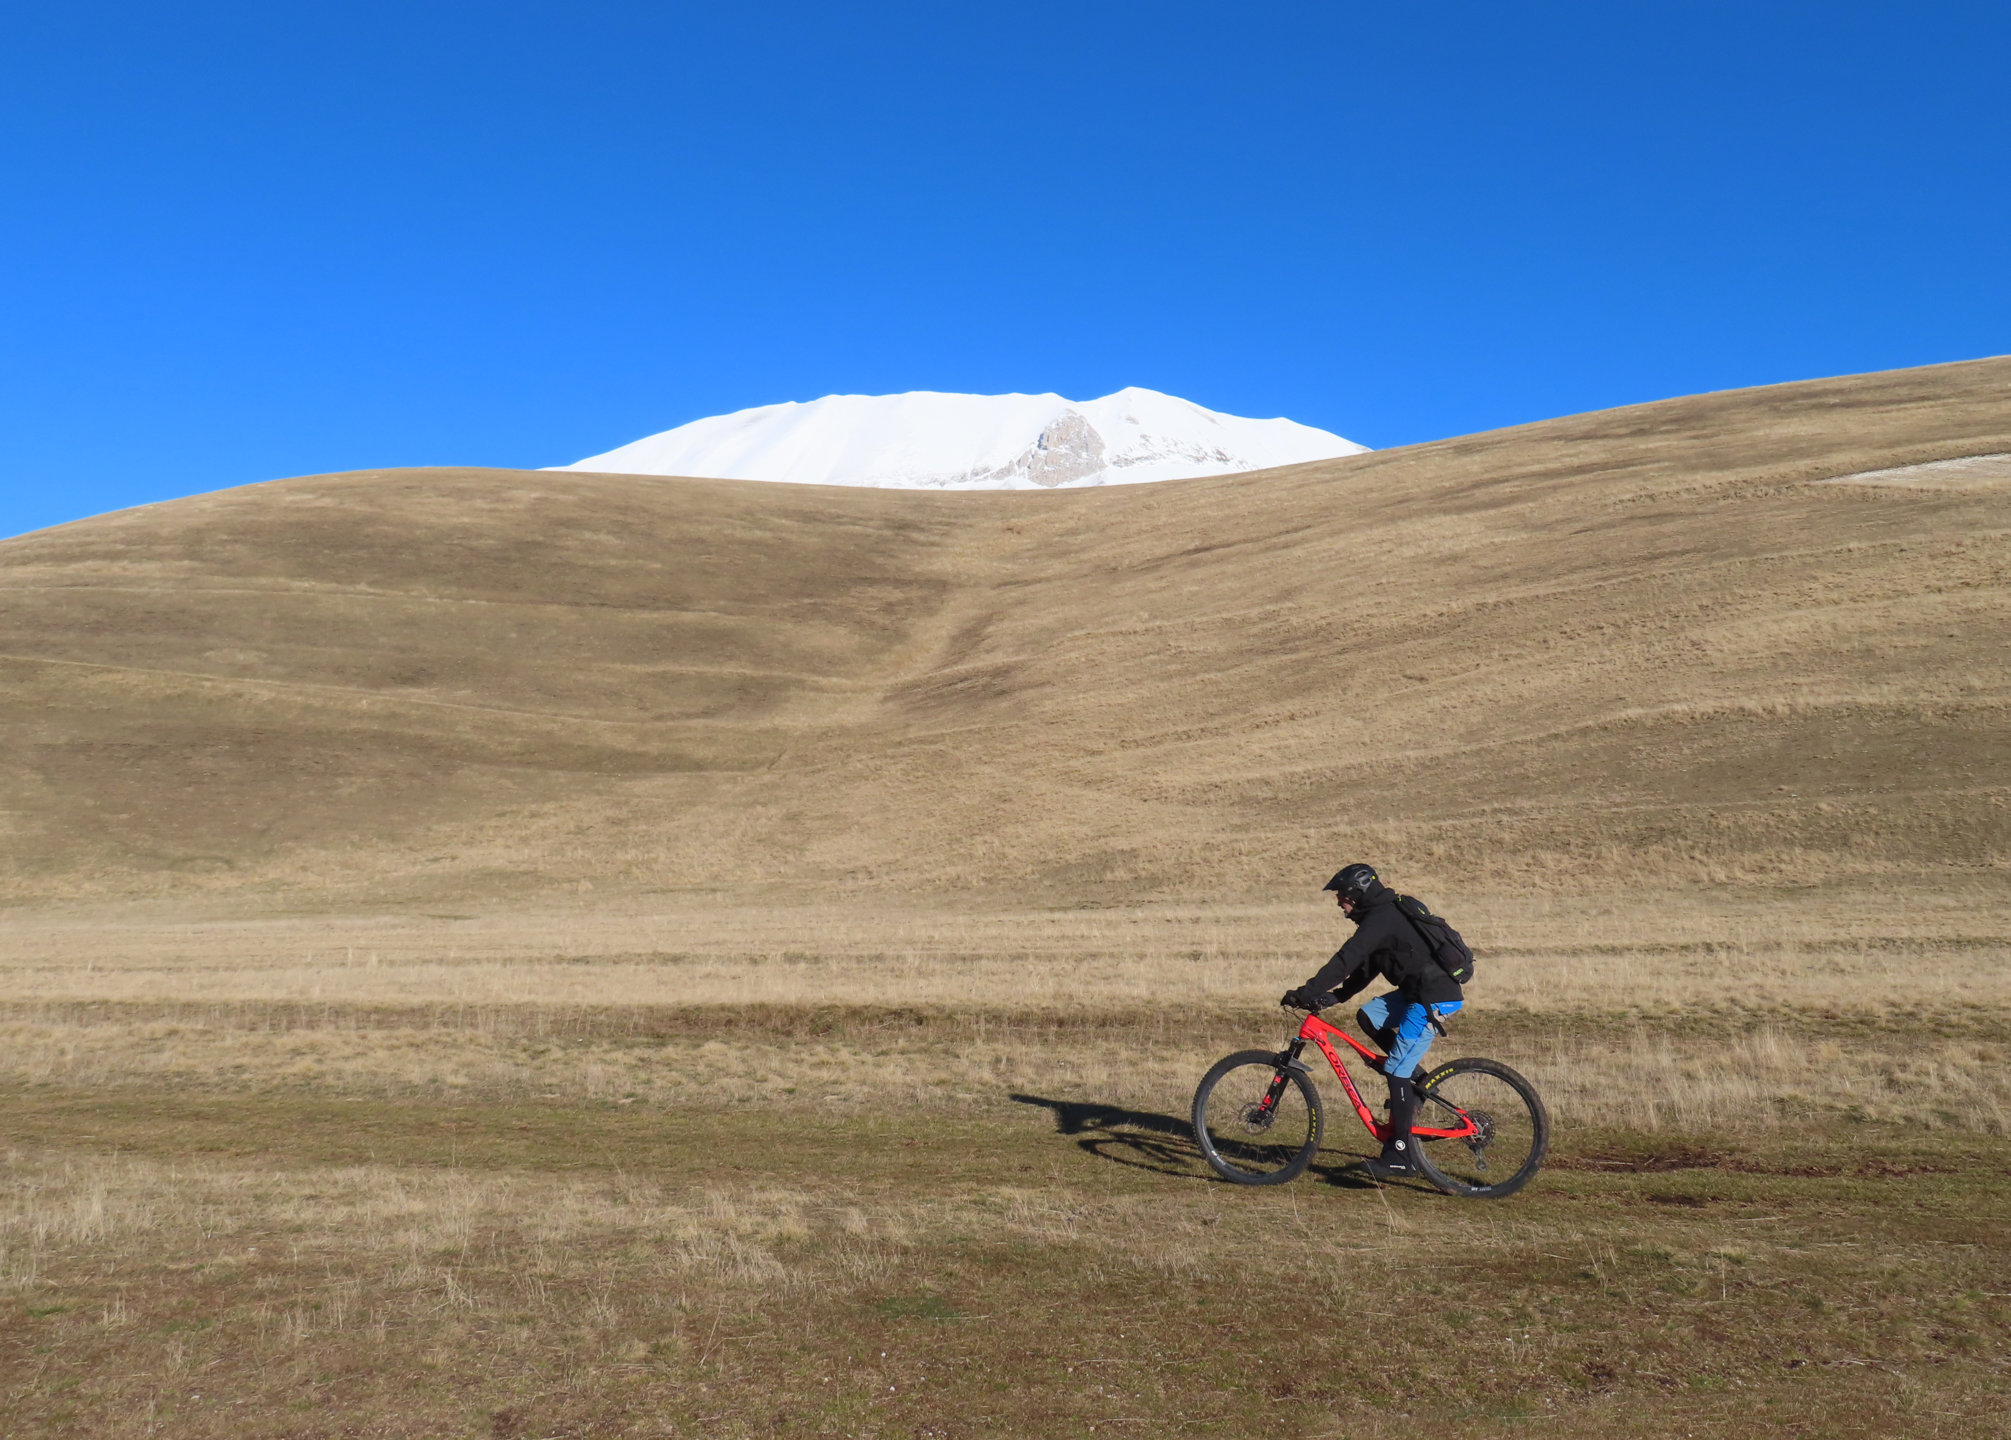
1412,1023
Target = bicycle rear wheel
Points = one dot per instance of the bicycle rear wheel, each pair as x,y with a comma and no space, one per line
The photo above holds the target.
1514,1129
1243,1138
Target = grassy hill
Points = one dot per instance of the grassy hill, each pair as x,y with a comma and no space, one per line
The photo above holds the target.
1646,647
524,954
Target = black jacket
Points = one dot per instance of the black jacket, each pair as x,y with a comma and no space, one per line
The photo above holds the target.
1385,943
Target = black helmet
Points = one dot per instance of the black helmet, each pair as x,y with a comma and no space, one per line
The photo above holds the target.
1353,882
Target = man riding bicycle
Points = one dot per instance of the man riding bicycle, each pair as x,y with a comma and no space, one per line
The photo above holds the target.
1386,944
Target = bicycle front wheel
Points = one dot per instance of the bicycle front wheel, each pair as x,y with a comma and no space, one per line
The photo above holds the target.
1257,1122
1514,1129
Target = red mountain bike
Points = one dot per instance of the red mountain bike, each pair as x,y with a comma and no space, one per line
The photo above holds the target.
1481,1129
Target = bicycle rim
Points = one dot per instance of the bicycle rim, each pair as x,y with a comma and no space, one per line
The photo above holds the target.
1514,1129
1243,1138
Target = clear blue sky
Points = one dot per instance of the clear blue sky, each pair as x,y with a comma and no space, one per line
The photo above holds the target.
239,241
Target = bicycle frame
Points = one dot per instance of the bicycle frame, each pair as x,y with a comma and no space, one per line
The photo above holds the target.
1320,1033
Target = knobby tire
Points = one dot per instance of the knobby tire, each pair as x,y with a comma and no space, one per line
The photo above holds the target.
1238,1144
1518,1123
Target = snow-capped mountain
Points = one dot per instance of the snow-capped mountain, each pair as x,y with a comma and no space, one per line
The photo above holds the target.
928,440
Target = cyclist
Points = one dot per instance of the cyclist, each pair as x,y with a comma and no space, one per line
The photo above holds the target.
1385,944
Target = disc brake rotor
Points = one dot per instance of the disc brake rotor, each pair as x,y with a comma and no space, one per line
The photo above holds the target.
1256,1118
1484,1124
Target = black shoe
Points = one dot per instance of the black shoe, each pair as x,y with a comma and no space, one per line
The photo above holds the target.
1394,1163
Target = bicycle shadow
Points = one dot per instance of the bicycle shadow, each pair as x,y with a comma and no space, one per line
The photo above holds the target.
1141,1139
1164,1144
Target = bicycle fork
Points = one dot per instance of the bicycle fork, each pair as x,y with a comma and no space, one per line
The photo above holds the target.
1288,1060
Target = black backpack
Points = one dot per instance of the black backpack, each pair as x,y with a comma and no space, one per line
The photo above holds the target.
1454,955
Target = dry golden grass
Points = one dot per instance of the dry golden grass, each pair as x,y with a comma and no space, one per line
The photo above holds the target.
979,1280
1611,952
520,955
1707,1078
1657,1013
1646,648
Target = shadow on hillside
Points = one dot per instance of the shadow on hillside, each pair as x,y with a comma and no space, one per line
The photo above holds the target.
1165,1144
